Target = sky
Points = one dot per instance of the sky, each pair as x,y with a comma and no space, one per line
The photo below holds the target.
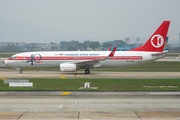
47,21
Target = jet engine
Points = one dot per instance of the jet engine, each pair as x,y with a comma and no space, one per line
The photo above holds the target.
66,67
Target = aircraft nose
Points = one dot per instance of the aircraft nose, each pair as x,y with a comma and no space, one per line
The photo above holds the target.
5,62
3,65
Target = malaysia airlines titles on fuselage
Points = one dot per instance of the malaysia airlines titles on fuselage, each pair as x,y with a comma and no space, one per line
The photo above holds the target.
69,61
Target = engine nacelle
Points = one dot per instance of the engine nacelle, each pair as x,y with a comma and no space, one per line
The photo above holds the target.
66,67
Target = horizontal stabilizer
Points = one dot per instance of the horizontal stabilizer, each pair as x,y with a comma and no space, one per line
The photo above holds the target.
161,53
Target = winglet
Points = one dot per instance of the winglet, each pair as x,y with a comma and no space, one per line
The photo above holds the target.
112,52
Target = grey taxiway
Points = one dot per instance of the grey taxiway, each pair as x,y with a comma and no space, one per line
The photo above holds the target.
90,105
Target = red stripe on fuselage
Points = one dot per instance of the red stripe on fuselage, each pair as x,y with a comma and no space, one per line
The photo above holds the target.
80,58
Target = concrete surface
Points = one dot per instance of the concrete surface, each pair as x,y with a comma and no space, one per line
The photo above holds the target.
2,65
90,106
5,73
2,59
169,59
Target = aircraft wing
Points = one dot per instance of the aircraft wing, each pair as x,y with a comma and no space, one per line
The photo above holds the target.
96,61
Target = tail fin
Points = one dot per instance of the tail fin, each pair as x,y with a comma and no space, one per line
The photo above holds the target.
166,42
156,42
109,49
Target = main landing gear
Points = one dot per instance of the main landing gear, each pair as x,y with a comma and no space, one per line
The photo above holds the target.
87,71
20,71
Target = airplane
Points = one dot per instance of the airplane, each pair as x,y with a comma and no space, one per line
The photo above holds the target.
70,61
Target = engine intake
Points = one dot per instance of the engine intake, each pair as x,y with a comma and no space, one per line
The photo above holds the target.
66,67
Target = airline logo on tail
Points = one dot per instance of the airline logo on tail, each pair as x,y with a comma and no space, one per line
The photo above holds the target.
157,41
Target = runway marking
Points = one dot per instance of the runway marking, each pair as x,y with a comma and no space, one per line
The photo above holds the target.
75,75
65,93
21,115
3,78
63,77
138,115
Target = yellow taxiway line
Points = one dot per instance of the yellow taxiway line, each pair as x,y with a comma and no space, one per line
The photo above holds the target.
65,93
63,77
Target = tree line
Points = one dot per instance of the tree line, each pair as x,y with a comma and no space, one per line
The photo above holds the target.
76,45
68,46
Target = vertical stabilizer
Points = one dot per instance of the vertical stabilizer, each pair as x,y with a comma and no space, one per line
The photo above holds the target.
156,42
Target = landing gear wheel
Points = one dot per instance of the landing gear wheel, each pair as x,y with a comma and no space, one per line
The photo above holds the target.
87,71
20,71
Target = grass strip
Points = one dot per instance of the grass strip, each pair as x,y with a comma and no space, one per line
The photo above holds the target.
6,55
102,84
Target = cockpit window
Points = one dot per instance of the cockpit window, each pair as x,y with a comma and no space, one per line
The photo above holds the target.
13,57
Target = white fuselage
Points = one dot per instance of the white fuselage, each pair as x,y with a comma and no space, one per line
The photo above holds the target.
52,59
